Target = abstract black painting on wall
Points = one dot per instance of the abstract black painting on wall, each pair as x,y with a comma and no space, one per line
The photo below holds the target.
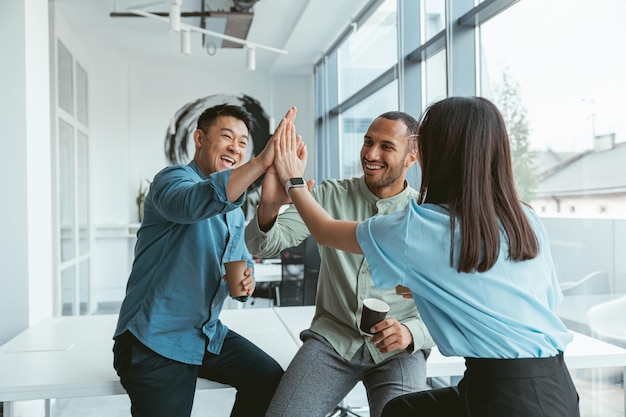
179,146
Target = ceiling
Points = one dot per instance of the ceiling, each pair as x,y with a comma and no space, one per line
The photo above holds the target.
304,28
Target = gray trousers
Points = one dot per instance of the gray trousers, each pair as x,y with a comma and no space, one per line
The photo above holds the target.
318,378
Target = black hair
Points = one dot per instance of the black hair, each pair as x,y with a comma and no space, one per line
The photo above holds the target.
210,115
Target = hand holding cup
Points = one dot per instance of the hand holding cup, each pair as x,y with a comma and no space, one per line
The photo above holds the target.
238,282
374,311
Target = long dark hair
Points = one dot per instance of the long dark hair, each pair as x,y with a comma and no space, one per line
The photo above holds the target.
466,166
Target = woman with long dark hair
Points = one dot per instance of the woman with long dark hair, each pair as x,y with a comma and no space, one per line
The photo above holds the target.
477,262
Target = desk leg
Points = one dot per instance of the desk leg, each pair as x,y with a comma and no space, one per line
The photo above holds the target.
7,409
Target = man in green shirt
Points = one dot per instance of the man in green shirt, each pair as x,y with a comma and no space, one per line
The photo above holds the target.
335,354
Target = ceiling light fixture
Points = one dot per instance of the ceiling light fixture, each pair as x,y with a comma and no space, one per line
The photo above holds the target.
175,15
185,40
244,42
251,63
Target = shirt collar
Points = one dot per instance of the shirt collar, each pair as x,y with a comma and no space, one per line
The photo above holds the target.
402,195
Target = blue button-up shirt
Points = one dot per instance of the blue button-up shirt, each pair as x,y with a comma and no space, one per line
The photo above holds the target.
175,291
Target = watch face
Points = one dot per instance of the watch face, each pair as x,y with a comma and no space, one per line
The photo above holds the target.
296,181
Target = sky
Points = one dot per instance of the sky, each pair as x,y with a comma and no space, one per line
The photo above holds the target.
569,59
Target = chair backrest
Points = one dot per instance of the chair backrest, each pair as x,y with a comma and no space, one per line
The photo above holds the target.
608,309
595,283
311,260
300,269
292,279
606,321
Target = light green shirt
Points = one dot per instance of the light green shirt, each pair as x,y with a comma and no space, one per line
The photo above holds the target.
344,278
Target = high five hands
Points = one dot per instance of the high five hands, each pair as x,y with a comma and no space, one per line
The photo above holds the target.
266,156
273,194
290,153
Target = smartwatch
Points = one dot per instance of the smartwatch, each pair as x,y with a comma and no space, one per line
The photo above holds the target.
294,182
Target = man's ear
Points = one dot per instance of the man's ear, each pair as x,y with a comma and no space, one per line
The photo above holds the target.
197,138
411,158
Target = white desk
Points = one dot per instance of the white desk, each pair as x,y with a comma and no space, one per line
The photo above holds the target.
270,272
582,352
72,356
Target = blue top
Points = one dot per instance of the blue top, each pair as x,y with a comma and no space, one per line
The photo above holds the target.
506,312
175,292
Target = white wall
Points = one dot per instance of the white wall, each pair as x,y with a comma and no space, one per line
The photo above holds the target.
131,102
25,212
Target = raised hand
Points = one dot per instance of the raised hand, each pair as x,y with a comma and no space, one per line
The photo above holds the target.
241,177
266,156
290,155
273,197
273,190
273,194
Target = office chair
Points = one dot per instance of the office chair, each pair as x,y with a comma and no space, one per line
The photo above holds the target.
311,261
607,321
300,270
594,283
263,290
292,270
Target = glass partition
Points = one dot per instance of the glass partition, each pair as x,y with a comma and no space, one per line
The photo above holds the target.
434,20
73,286
564,110
66,190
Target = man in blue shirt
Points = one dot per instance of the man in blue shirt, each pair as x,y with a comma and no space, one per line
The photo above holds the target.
168,332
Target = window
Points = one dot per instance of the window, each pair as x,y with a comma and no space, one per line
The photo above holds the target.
370,50
565,83
72,169
435,85
434,18
65,78
555,70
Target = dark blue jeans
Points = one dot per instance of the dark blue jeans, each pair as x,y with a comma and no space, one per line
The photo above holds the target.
161,387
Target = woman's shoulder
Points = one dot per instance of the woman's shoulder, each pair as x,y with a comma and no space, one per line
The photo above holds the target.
531,214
